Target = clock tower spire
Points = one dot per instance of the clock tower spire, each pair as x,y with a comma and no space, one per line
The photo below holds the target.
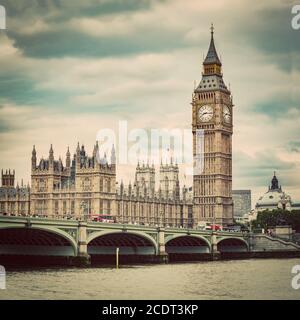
212,120
212,63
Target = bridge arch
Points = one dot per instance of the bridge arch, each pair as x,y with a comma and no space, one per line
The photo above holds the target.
184,243
232,244
36,236
129,242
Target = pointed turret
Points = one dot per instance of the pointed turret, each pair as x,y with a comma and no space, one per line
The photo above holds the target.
77,157
274,183
122,187
82,151
95,150
212,57
212,77
60,164
113,155
33,151
51,153
33,158
129,188
68,158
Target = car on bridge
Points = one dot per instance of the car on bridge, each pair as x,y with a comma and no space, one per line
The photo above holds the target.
236,228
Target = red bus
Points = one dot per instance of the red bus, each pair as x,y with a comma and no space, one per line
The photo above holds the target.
217,227
103,218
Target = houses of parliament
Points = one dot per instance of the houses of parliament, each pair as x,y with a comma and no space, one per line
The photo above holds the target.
86,185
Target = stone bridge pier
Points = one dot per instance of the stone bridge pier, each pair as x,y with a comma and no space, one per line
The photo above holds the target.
82,258
163,256
86,241
215,253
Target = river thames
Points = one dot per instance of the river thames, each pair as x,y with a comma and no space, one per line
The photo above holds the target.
235,279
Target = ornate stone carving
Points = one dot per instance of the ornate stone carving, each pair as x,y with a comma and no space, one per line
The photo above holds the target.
71,232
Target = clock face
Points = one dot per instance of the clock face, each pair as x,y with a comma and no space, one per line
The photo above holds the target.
226,114
205,113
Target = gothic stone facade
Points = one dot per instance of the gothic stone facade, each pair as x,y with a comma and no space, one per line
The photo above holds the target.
84,186
168,206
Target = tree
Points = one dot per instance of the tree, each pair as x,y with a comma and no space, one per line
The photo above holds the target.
267,219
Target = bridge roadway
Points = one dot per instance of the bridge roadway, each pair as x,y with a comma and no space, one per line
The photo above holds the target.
82,240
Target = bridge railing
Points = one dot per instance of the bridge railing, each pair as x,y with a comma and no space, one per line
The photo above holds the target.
144,222
154,221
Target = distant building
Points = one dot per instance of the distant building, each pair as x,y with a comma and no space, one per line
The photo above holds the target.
14,200
275,198
241,202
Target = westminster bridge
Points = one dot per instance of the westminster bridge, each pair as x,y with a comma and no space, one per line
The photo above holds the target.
82,241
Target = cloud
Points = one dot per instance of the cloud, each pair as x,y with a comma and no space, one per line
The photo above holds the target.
154,26
62,9
69,69
65,27
280,106
270,31
294,146
260,164
256,170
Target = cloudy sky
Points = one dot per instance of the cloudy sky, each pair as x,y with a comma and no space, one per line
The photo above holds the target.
69,68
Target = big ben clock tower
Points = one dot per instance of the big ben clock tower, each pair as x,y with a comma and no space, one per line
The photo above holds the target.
212,143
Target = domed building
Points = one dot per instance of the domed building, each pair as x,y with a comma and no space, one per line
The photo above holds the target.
275,198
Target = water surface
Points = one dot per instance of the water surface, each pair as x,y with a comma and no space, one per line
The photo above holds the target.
235,279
